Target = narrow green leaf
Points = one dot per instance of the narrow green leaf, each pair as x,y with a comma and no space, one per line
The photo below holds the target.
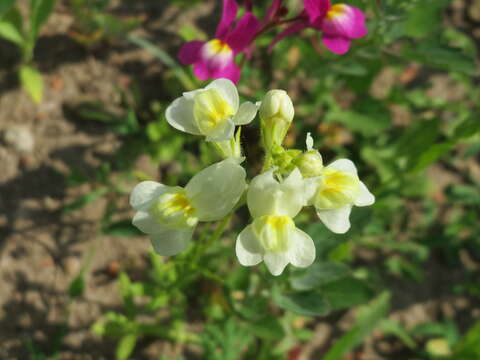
435,152
126,346
308,303
468,128
83,200
417,140
267,328
40,10
5,6
121,228
431,53
366,124
368,318
390,327
77,286
346,292
469,346
424,18
319,274
11,27
32,81
165,59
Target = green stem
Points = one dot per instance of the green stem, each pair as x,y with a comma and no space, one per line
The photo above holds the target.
219,230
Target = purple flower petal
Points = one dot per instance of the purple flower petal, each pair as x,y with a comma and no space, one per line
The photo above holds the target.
215,58
292,29
359,29
336,44
243,33
231,72
345,21
190,52
316,8
229,14
202,70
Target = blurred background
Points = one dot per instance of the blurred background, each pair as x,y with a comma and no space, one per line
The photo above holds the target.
83,89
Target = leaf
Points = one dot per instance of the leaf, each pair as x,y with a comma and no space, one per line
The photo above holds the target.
165,59
431,53
318,274
94,111
390,327
435,152
468,128
417,140
469,346
113,26
268,327
346,292
464,194
126,346
122,228
77,286
11,27
114,324
40,10
424,18
5,6
32,81
83,200
308,303
368,318
366,124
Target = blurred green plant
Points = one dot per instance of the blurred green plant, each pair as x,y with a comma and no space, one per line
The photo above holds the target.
93,25
23,31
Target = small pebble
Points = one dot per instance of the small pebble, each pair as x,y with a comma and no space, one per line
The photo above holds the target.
20,138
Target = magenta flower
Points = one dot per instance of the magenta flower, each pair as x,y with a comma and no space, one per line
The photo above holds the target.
214,59
339,24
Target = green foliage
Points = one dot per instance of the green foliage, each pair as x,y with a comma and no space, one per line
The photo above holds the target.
94,25
13,27
32,81
368,318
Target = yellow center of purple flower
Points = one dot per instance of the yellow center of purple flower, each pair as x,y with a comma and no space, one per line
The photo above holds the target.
218,47
336,11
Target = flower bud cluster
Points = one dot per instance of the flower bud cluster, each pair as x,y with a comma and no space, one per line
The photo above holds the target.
291,179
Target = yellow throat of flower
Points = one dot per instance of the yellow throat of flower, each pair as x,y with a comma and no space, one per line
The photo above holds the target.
211,110
173,209
336,11
336,189
274,232
217,46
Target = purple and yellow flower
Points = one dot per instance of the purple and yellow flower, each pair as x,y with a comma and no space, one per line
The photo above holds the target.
339,24
215,58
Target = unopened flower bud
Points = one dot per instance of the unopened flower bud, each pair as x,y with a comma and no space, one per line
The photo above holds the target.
276,114
309,163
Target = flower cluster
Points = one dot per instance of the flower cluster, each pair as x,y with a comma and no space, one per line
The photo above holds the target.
290,180
338,25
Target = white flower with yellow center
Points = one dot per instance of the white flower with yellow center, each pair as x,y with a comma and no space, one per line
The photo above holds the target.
333,189
272,236
169,214
212,112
